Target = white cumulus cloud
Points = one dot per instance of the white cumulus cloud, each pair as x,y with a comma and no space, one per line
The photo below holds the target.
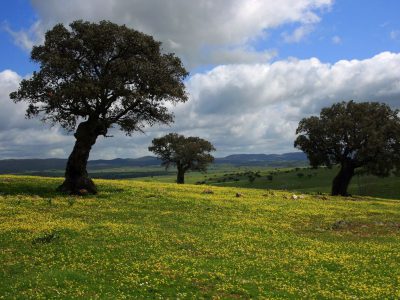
20,137
192,29
243,108
258,107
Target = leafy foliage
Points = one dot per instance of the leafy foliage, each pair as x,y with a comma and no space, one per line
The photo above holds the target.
188,153
363,134
353,135
102,71
101,75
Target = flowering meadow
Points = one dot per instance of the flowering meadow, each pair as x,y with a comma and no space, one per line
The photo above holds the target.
150,240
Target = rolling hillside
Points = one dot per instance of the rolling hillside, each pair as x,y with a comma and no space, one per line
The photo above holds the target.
15,166
156,241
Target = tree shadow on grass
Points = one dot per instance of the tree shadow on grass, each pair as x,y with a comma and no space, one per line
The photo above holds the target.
23,186
44,187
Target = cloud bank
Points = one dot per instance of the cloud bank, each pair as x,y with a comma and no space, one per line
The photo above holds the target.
242,108
201,32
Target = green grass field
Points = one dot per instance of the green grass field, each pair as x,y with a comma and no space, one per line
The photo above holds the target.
311,181
158,240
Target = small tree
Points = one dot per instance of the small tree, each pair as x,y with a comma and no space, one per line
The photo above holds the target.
186,153
253,175
251,178
353,135
100,75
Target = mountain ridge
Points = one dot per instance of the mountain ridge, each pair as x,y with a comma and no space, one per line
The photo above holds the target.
33,164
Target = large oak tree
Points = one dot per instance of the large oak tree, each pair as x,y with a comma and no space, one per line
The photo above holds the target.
94,76
186,153
354,135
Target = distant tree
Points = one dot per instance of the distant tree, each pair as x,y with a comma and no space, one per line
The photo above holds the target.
186,153
251,178
253,175
353,135
100,75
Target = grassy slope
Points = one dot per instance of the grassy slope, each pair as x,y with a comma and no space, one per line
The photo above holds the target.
320,180
154,240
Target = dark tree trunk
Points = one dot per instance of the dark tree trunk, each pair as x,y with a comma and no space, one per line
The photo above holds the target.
77,180
342,180
181,176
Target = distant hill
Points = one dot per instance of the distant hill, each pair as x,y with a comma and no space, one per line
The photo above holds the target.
24,165
37,165
263,159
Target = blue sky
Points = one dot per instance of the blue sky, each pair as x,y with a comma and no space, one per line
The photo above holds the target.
257,67
18,15
363,29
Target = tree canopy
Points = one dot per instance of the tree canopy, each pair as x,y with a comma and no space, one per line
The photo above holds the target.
105,71
100,75
186,153
355,135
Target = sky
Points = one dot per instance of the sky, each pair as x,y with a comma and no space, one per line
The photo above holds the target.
257,67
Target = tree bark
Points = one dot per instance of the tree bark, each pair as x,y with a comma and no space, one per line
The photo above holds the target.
342,180
77,181
180,179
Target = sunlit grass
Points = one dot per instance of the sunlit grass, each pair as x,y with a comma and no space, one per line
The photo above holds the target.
312,181
157,240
